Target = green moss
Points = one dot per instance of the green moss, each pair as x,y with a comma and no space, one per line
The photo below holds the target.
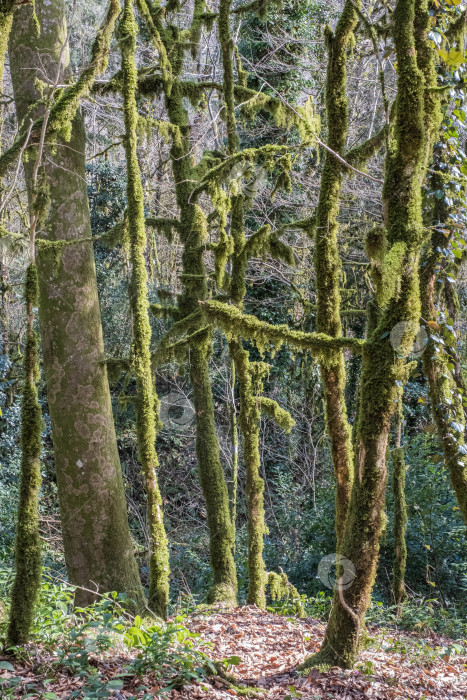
272,409
375,243
27,580
280,588
140,357
264,334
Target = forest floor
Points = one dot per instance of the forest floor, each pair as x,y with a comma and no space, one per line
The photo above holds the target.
394,664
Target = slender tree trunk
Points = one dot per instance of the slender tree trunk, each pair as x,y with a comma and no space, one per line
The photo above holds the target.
146,400
327,261
28,544
234,440
444,392
98,547
250,421
193,234
7,8
400,516
250,411
452,307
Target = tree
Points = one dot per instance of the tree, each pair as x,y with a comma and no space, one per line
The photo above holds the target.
98,547
384,371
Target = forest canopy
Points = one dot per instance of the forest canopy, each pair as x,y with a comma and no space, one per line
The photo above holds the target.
232,338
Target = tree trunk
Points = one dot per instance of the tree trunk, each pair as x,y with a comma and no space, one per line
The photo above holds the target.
147,402
400,517
444,392
327,263
28,544
98,546
193,234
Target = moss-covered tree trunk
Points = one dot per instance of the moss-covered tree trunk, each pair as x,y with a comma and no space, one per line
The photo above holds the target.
400,516
28,544
444,393
193,234
327,260
6,19
98,547
146,399
416,124
250,411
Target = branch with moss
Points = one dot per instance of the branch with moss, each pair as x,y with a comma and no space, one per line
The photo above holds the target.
233,321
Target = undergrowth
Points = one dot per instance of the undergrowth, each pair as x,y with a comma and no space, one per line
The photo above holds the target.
76,640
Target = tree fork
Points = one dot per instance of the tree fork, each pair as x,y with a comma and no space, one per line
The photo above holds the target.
326,260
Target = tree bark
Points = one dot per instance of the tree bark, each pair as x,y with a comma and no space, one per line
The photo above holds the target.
97,542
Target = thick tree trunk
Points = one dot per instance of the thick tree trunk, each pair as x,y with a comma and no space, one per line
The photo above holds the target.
98,547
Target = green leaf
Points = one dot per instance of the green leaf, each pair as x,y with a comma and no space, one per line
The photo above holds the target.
6,666
455,58
233,660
